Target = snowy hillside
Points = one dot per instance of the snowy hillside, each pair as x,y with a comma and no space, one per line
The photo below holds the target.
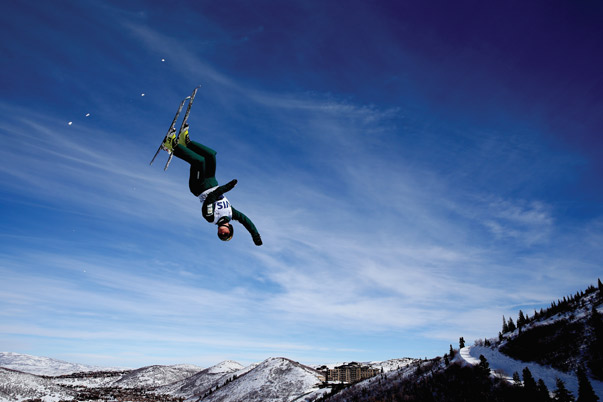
43,365
393,364
275,379
201,382
505,366
156,376
17,386
552,344
566,336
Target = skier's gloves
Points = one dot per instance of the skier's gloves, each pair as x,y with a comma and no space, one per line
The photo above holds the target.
257,239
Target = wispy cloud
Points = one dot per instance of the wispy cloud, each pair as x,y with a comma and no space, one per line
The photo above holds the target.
370,249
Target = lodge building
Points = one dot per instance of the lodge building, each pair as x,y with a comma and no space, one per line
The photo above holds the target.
351,372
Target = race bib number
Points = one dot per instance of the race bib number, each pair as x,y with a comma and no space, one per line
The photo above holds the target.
224,204
222,209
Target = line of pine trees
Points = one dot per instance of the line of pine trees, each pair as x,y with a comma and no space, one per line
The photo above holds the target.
568,304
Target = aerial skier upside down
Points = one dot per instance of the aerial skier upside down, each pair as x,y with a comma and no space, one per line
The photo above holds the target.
203,184
202,180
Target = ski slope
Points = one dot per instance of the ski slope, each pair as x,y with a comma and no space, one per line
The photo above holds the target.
504,366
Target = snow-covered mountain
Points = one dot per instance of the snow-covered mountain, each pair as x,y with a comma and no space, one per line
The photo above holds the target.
275,379
44,365
202,382
156,376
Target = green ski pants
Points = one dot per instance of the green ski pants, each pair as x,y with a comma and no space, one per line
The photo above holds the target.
203,166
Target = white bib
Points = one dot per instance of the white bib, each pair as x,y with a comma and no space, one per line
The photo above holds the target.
221,208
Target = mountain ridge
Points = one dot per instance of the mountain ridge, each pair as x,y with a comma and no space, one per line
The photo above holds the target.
40,365
570,330
274,379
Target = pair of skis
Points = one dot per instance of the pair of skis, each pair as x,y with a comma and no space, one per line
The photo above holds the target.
172,128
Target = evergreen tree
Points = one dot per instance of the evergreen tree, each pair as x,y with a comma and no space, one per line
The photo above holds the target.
521,321
511,325
505,327
543,391
600,285
451,352
483,365
585,389
561,393
461,342
516,379
529,383
595,360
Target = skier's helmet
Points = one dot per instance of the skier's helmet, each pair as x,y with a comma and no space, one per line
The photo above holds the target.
225,231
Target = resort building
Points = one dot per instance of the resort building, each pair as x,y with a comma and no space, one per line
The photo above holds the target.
351,372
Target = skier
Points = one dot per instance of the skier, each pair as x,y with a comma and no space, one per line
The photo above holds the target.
203,184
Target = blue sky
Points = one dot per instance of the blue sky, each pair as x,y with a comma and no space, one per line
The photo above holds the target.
416,172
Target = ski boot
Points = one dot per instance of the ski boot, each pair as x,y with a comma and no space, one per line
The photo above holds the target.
183,138
169,142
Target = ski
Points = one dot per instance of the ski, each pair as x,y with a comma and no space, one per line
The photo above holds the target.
171,129
188,111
